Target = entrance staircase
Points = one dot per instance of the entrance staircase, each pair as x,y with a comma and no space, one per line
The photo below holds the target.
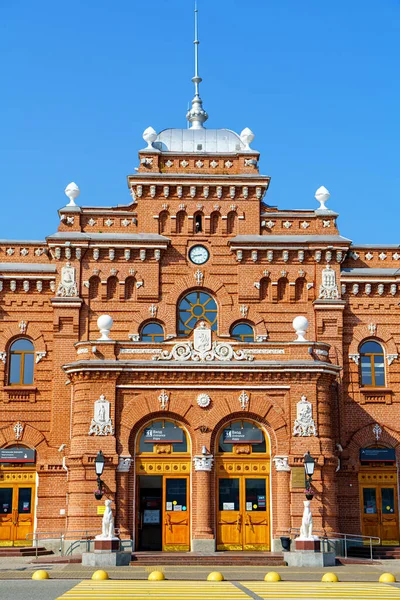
23,551
378,552
220,559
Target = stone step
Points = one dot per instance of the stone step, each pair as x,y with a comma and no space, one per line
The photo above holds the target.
23,551
219,558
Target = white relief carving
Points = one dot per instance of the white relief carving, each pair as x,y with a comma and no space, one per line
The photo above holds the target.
142,254
83,351
134,337
78,253
139,191
179,193
57,253
96,253
283,273
328,256
111,253
300,255
192,191
355,358
124,464
113,271
257,285
343,289
39,356
281,463
245,192
203,400
270,255
254,255
318,256
202,338
68,286
39,251
285,256
18,430
259,193
101,423
304,425
184,163
301,272
166,194
199,277
228,164
147,161
261,338
3,357
266,273
139,284
199,206
393,289
68,253
127,254
39,285
244,310
53,286
163,399
92,222
199,164
391,358
328,289
368,288
1,285
377,431
396,256
381,289
157,254
214,164
287,224
25,285
305,225
169,163
326,223
232,193
153,310
13,285
10,251
310,285
372,328
203,462
219,191
24,251
354,255
206,191
222,351
244,400
153,190
369,256
109,222
22,326
382,256
70,220
356,289
125,222
239,255
270,224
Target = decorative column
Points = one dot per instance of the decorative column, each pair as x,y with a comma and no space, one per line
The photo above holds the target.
123,500
203,536
283,495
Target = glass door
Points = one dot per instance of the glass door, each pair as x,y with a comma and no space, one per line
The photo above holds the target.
6,516
389,516
16,515
256,521
176,515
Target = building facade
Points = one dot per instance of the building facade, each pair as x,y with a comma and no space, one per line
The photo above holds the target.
204,341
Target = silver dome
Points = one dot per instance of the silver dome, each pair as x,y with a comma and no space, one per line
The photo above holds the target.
213,141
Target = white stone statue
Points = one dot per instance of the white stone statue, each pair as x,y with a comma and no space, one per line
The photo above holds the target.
107,524
328,289
304,424
307,524
67,287
101,423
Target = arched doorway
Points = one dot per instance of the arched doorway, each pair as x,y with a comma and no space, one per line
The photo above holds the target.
243,489
17,495
378,494
163,487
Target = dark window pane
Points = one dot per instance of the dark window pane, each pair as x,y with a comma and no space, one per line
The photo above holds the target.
6,500
152,332
387,501
176,447
176,494
193,308
366,371
243,332
228,494
24,500
379,366
371,348
261,447
22,345
28,369
256,495
369,501
15,368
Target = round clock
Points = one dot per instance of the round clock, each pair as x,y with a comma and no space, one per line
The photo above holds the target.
199,255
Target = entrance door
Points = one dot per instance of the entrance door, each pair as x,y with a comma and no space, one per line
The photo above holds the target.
243,515
380,513
164,516
16,514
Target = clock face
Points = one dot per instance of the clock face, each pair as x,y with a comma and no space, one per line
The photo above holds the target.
199,255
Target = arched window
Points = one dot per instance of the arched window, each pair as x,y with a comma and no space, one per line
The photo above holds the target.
94,285
214,222
163,432
198,223
243,332
152,332
112,286
194,307
180,221
372,364
21,362
242,432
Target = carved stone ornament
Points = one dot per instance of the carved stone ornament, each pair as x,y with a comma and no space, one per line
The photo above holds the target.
372,328
68,287
355,358
244,400
163,399
22,326
281,463
3,357
124,464
39,356
391,358
328,289
377,431
203,400
201,350
304,425
203,463
18,430
244,310
101,423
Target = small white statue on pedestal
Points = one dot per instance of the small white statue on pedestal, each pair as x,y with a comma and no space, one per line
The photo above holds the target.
307,524
107,525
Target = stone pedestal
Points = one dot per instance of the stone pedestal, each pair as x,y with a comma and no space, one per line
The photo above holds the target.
106,554
309,558
107,545
310,545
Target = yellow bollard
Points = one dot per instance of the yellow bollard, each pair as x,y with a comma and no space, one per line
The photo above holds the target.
215,576
330,578
40,574
272,576
100,575
387,578
156,576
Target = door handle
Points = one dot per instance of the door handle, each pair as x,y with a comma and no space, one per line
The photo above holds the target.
239,522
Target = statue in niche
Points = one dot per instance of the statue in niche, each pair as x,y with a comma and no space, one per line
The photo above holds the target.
68,287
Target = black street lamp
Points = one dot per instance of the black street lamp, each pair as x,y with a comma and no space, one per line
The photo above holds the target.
309,465
99,468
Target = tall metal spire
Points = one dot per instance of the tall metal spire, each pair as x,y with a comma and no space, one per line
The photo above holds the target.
196,116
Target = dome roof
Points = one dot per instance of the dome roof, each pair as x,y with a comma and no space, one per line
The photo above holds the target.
213,141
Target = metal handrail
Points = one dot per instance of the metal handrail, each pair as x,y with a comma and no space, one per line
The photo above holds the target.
86,535
343,536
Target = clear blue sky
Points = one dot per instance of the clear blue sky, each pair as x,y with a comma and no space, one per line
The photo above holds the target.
317,81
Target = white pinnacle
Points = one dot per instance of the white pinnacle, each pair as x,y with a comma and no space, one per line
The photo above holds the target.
322,195
72,192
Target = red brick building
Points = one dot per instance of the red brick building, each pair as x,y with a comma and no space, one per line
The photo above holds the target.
202,396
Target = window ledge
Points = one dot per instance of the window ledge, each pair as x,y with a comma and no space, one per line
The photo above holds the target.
382,395
21,393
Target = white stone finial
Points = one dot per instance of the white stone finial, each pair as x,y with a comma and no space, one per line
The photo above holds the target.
300,325
149,136
72,192
104,323
246,137
322,195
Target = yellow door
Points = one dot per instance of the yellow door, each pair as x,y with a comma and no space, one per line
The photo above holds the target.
380,513
176,514
16,514
243,513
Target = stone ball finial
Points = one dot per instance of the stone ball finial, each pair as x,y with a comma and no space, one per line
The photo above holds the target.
300,325
322,195
149,136
104,323
72,192
246,137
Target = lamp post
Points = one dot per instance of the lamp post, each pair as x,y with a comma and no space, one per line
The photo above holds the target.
99,468
309,465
